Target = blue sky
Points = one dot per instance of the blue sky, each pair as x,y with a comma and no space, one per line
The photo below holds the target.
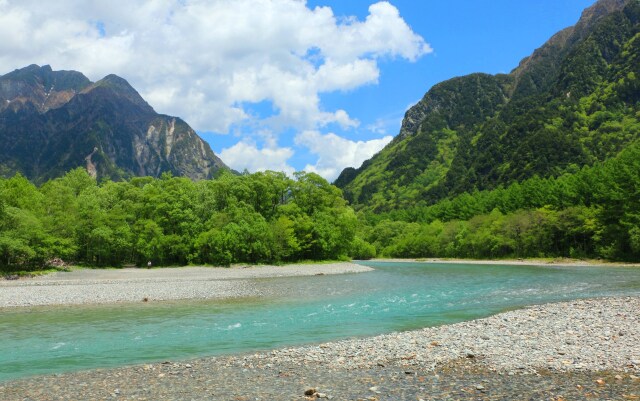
282,84
466,37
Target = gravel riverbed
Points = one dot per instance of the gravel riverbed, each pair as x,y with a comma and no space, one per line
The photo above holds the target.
584,349
102,286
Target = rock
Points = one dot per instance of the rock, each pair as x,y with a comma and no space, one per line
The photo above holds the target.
480,387
310,391
321,395
600,382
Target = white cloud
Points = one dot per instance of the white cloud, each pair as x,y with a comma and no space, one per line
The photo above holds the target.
201,59
246,155
378,127
336,153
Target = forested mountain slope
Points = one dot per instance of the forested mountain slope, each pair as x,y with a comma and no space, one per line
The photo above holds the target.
54,121
573,102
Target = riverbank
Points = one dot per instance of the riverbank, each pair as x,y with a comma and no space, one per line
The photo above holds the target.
585,349
514,262
104,286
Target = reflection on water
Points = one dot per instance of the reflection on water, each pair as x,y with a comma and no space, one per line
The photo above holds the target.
297,310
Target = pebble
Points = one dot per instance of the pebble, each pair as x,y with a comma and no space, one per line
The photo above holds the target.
96,286
520,354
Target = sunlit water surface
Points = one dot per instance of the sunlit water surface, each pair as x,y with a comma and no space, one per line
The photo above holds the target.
294,311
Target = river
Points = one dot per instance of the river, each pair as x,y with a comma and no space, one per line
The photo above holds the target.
291,311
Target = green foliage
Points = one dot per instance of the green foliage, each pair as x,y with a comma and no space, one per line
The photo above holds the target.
362,250
594,212
254,218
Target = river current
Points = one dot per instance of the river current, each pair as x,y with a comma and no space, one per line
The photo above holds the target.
291,311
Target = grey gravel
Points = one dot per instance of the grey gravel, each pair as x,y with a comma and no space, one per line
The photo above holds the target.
93,286
520,341
516,356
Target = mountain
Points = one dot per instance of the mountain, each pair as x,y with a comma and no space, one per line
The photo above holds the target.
575,101
54,121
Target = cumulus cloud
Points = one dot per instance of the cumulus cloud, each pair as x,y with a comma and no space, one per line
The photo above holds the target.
336,153
246,155
201,60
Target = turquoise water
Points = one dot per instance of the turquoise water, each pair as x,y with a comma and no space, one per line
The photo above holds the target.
394,297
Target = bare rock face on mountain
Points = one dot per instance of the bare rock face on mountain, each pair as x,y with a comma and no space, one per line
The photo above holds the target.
54,121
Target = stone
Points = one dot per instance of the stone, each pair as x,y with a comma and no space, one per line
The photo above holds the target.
310,391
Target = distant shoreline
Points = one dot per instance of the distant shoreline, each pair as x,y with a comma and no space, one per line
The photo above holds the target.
515,262
107,286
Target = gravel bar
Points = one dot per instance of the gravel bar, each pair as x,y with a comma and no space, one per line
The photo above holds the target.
103,286
577,350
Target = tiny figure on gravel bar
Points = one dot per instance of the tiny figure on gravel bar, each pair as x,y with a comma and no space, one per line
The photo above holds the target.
149,265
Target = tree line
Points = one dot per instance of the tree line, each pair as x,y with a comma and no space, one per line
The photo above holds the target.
268,217
592,213
264,217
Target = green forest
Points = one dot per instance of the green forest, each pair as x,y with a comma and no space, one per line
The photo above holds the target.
593,213
268,217
253,218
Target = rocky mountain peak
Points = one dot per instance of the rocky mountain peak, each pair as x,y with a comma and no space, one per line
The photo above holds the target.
41,87
54,121
120,87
